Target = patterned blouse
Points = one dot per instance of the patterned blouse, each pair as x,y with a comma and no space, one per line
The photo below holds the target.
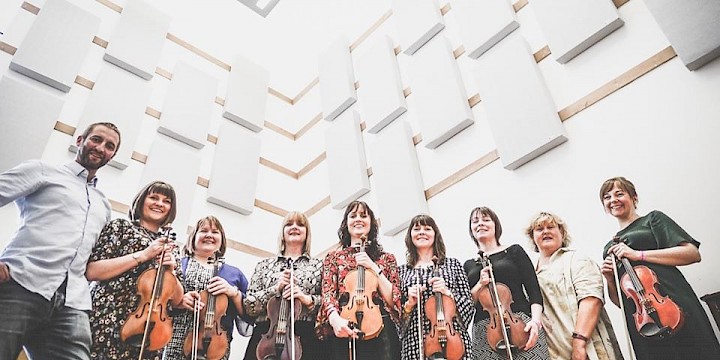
456,282
336,266
113,300
263,285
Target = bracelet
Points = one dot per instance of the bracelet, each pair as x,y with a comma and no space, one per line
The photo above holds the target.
406,311
642,256
579,337
137,258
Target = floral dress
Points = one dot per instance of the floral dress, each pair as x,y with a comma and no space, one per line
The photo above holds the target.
114,299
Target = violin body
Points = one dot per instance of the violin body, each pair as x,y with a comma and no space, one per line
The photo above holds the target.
656,316
276,343
212,341
441,310
155,287
514,326
357,306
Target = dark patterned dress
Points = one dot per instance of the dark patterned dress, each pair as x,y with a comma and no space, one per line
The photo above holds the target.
456,281
513,268
696,339
262,288
336,266
195,279
113,300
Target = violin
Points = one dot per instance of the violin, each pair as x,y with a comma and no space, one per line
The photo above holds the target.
442,339
150,326
357,305
208,340
505,331
656,316
278,343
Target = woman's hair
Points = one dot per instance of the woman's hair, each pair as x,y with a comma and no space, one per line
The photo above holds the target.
546,218
155,187
372,248
438,243
189,247
291,218
623,183
485,211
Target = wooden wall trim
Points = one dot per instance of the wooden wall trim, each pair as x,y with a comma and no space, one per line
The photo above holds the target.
7,48
371,30
64,128
279,130
461,174
308,126
277,167
315,162
519,5
30,7
618,83
270,208
317,207
248,249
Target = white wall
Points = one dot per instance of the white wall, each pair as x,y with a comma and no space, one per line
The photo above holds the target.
659,131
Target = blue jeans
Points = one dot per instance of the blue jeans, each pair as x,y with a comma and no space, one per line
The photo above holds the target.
47,329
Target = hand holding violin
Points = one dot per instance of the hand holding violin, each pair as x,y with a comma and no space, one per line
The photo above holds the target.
341,327
218,285
192,299
438,285
413,293
364,260
533,327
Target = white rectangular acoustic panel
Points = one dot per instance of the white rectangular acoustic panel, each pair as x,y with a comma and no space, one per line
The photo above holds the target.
55,47
439,93
483,23
572,26
27,115
397,181
247,92
381,94
520,111
337,80
346,162
233,180
417,22
120,98
138,40
692,26
188,106
179,166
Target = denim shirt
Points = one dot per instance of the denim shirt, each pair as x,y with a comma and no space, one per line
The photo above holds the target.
62,214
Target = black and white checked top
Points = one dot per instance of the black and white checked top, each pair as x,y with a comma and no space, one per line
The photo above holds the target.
456,281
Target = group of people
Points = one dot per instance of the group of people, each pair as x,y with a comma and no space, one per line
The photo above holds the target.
355,303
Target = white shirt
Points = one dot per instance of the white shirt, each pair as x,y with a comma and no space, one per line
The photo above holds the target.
62,215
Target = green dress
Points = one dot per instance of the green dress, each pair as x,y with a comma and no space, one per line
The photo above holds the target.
696,339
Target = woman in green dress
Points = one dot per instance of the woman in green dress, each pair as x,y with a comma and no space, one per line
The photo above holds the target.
656,241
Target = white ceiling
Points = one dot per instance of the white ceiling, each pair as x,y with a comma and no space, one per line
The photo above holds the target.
287,42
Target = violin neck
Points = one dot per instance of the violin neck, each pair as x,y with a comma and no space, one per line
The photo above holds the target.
633,276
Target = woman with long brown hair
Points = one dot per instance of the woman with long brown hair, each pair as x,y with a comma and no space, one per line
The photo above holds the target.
425,247
359,226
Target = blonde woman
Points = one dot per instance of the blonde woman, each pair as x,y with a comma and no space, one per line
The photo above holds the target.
576,323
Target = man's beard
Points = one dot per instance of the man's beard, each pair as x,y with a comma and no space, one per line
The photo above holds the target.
84,160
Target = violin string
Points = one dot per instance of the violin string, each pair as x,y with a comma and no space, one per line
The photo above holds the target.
292,308
622,307
501,311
